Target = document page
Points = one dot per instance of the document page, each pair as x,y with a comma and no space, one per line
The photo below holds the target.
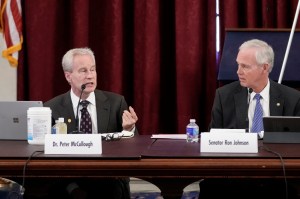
169,136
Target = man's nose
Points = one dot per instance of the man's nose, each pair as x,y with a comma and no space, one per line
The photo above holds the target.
239,70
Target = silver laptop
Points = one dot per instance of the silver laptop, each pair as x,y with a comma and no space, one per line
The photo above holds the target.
13,119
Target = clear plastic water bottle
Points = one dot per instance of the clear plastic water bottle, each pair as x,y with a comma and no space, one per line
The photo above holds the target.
192,131
61,126
53,129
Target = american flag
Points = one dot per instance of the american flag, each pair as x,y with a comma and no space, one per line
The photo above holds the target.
11,27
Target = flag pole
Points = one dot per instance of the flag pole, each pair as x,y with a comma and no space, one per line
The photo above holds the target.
289,43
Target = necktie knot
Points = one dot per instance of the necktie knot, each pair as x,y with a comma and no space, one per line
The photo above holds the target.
84,103
257,97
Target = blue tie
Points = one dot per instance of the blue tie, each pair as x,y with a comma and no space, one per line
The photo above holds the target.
257,124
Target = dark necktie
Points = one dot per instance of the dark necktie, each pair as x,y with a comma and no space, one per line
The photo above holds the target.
86,120
257,124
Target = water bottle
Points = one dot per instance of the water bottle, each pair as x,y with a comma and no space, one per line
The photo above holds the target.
53,129
192,131
61,126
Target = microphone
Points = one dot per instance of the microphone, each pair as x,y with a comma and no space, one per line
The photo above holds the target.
250,90
77,131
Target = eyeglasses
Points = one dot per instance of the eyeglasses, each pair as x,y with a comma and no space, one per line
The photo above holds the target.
117,135
112,137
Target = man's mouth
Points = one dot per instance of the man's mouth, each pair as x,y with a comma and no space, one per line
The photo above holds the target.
89,84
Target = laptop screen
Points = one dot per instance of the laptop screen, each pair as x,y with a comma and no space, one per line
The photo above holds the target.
281,124
13,119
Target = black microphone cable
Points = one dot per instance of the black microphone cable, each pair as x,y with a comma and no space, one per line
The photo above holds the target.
77,131
249,91
25,167
283,168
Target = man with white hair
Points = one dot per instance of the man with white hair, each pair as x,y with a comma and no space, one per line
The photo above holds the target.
100,112
241,105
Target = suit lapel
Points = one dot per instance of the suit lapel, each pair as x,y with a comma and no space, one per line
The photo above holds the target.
276,101
69,114
103,111
240,100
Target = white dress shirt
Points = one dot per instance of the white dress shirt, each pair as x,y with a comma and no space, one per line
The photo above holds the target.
91,109
265,103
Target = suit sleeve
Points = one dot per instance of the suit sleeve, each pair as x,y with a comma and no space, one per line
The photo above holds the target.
124,106
297,108
216,114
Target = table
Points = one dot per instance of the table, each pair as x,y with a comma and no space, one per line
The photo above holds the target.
170,164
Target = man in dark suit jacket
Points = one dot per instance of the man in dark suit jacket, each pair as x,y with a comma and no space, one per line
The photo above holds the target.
255,61
109,108
231,104
234,108
108,112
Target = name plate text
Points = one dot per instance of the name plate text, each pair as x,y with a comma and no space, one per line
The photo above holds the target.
73,144
229,142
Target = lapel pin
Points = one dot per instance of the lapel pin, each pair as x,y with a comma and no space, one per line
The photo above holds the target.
278,104
69,120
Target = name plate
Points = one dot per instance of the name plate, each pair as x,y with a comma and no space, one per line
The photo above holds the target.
229,142
73,144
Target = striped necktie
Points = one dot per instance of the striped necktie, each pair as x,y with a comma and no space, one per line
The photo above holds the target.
257,123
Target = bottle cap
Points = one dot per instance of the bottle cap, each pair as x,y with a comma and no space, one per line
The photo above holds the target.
192,120
61,119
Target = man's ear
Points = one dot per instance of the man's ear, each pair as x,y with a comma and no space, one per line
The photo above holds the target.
266,67
68,76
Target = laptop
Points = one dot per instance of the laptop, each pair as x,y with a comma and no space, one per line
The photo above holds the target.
13,119
281,129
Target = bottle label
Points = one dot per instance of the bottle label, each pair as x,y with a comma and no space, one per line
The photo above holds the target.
37,128
53,129
192,131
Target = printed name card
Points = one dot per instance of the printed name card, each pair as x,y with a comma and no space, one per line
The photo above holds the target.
73,144
229,142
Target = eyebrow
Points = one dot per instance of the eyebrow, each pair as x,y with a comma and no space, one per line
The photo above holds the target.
81,67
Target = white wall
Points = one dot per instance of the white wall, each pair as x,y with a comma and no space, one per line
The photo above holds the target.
8,77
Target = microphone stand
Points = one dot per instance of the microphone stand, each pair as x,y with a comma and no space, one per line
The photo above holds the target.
249,91
289,43
77,131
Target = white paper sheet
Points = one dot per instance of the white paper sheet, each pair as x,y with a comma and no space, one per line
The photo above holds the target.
169,136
